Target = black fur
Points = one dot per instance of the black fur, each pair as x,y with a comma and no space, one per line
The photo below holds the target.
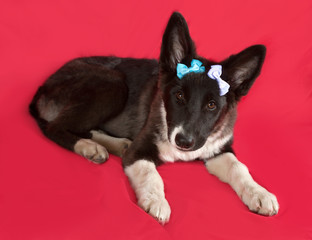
124,97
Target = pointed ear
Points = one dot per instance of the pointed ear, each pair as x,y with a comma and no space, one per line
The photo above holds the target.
241,70
176,43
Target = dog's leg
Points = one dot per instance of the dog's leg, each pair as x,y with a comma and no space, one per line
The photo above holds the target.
82,146
91,150
149,189
116,146
228,169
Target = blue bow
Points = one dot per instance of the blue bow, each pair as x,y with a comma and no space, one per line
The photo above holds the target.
196,67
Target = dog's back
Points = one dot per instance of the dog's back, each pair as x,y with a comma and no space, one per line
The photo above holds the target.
95,93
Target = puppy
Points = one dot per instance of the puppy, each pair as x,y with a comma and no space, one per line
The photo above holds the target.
180,108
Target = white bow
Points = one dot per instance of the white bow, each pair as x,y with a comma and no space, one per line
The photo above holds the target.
215,73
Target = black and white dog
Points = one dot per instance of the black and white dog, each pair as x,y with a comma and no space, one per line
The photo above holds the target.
181,108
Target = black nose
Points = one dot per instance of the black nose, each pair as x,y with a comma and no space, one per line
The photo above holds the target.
184,142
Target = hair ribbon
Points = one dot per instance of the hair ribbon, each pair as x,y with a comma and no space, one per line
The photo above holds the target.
214,73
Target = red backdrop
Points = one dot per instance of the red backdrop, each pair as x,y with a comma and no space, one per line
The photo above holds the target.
47,192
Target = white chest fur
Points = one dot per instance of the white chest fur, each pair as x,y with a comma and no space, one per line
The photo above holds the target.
213,145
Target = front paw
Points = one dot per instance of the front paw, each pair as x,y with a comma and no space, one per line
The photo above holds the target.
157,208
259,200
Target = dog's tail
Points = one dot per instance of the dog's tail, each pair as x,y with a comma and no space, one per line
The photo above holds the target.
33,110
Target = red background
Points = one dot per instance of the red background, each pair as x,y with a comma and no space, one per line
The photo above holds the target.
47,192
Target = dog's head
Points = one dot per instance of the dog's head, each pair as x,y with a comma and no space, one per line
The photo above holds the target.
193,105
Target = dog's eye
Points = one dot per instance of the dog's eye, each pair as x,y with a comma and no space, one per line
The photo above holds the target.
211,105
180,97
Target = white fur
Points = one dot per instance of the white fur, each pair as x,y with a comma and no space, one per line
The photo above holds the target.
149,189
168,152
228,169
48,109
174,133
91,150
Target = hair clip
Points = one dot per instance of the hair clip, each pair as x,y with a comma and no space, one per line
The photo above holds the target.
215,73
196,67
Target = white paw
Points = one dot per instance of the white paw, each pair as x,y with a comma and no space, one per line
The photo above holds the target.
157,208
91,150
259,200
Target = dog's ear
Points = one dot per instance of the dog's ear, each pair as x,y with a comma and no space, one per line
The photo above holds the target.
176,43
242,69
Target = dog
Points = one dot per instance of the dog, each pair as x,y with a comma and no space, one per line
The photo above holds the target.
180,108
